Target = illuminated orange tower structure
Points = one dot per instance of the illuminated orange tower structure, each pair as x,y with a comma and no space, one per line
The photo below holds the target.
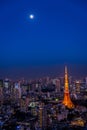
67,101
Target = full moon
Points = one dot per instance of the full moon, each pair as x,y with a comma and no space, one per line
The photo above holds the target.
31,16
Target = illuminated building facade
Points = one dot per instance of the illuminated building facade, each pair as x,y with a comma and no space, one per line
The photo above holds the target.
78,86
56,82
42,116
67,101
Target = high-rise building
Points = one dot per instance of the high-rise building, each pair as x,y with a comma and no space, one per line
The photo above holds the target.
56,82
67,100
61,81
77,86
42,116
17,90
1,83
86,80
1,91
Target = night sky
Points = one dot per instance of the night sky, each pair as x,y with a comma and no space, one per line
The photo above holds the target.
42,46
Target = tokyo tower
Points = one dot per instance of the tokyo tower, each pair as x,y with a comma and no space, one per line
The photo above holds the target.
67,100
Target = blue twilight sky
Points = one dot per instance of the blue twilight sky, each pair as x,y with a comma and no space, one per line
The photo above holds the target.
56,36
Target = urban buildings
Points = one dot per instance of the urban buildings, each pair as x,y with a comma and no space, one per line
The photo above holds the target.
43,104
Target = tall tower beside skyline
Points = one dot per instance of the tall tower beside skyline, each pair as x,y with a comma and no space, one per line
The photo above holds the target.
67,101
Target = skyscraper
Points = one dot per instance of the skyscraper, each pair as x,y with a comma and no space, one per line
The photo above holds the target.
42,116
1,91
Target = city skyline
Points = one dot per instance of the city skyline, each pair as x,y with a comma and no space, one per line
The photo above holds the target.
43,44
37,72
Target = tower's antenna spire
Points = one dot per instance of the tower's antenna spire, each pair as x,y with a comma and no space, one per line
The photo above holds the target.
65,69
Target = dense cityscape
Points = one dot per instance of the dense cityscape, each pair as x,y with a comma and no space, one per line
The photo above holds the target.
58,103
44,41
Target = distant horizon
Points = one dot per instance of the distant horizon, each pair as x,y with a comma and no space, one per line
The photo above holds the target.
35,72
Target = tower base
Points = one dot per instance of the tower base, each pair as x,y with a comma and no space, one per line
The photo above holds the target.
67,101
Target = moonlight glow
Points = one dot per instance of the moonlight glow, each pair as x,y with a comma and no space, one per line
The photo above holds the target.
31,16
